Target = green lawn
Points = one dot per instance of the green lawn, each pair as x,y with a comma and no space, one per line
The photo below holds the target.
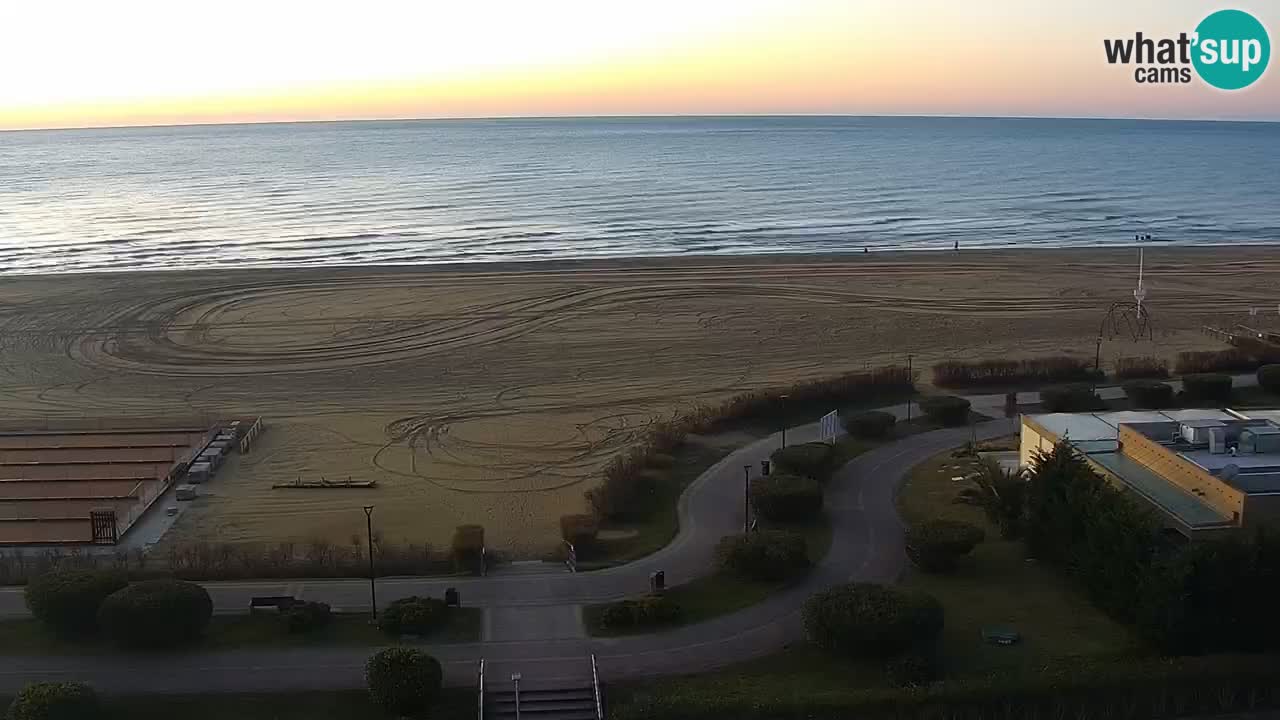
228,632
718,594
453,704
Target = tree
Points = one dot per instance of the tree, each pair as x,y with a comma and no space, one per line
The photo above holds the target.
402,680
1002,495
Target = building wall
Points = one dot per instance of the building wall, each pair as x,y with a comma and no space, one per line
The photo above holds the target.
1033,438
1263,509
1183,473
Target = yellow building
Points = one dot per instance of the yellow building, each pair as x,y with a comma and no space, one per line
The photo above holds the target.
1204,471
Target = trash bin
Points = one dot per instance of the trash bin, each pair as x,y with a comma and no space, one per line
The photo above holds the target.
451,598
764,467
659,581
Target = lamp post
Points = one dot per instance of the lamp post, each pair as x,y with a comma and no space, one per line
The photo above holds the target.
1097,361
911,382
746,499
783,398
373,589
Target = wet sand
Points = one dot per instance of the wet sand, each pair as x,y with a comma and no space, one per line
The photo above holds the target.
493,394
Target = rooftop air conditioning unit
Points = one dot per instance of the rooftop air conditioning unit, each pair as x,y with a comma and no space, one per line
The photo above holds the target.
1218,441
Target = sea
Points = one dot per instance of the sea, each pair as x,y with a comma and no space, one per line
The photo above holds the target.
449,191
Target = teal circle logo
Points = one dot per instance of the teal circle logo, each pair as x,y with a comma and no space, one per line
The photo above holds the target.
1231,49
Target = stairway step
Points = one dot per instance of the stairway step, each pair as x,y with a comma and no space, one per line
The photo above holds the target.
549,692
544,707
588,697
560,715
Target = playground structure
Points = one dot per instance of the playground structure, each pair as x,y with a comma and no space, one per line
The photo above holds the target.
89,481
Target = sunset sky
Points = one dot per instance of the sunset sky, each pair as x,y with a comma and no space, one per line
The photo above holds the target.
78,63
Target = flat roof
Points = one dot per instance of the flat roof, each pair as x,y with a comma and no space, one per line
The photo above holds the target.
1180,504
1256,483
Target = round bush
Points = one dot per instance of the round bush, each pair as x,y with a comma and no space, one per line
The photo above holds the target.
1076,397
403,681
412,616
156,614
786,498
1207,388
306,617
1269,378
68,600
809,459
946,409
871,424
765,555
876,621
55,701
647,611
936,545
1149,394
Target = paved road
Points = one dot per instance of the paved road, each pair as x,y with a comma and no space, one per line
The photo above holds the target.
526,614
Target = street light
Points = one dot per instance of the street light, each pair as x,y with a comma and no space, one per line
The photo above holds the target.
911,382
783,398
373,590
746,499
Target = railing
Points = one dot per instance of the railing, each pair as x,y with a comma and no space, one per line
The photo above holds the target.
595,685
480,694
571,559
483,560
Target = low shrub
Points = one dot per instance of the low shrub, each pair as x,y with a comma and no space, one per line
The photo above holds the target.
937,545
1229,360
1131,368
67,600
412,616
1070,398
786,498
647,611
808,459
913,669
1056,368
55,701
1213,388
871,425
766,555
1269,378
403,681
468,548
1149,394
946,409
156,614
581,530
873,621
306,617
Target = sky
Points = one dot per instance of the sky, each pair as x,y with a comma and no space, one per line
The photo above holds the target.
90,63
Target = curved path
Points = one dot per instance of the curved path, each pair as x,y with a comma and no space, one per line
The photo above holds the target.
533,620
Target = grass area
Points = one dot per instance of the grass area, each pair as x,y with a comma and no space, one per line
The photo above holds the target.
453,704
229,632
718,594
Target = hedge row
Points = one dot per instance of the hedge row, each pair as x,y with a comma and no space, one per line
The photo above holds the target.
946,410
1211,388
764,555
1133,368
812,460
1247,355
67,600
786,498
1077,397
1057,368
872,424
630,482
645,612
1269,378
1151,394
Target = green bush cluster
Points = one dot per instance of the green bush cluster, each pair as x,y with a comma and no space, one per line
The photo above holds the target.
946,409
1055,368
1211,388
937,545
67,600
403,681
307,617
786,498
55,701
863,620
156,614
468,548
1133,368
1269,378
413,616
1076,397
1149,394
765,555
811,460
870,425
644,612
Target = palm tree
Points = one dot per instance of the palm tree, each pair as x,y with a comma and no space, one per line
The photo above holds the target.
1001,494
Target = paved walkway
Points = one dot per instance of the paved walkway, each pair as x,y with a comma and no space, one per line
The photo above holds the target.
532,621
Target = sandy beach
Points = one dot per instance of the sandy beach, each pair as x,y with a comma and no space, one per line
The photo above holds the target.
492,394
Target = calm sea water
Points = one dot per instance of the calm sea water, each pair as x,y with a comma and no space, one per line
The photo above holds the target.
449,191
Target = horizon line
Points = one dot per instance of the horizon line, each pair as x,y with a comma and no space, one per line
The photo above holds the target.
651,116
